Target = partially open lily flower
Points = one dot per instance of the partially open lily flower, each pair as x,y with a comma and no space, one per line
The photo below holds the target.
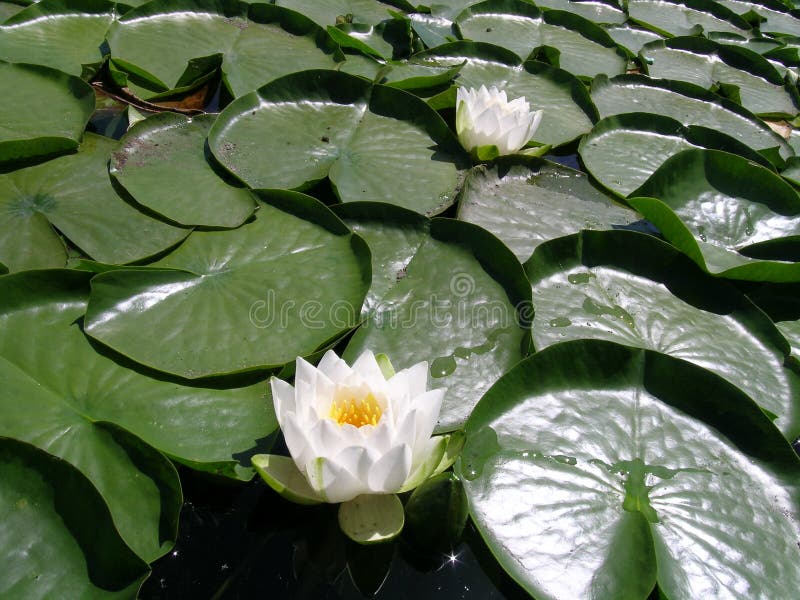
486,118
352,431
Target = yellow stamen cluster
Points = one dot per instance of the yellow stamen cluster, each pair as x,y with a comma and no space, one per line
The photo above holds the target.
355,411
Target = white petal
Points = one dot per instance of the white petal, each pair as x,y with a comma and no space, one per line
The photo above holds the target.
427,407
333,367
333,481
282,397
356,460
305,384
414,380
390,472
367,366
406,431
329,438
300,446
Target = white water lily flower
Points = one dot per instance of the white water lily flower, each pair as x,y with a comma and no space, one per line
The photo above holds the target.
486,118
352,431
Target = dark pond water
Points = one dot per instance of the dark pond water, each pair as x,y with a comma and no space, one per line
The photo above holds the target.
244,541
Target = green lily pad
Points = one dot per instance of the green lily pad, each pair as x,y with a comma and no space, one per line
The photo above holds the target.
585,48
75,195
635,290
761,45
62,34
443,291
9,9
759,86
568,111
631,38
54,397
590,473
596,11
206,426
689,104
57,107
253,298
58,536
791,331
525,202
623,151
777,16
392,38
685,17
145,165
432,30
166,45
335,12
733,217
357,135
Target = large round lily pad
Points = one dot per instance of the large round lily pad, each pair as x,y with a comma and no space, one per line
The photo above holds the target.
373,142
525,202
686,17
170,44
58,536
75,195
63,34
54,395
727,213
689,104
623,151
333,12
591,474
777,16
256,297
739,73
567,109
633,289
192,194
585,48
446,292
44,111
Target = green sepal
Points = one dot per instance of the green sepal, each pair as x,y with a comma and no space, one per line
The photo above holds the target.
372,518
283,476
484,153
429,466
455,443
386,365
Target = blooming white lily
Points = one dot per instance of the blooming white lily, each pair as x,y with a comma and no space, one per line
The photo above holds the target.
352,431
486,118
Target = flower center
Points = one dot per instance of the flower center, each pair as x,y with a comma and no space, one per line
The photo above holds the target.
356,411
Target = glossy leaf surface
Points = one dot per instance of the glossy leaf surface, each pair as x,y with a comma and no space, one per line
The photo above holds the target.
355,134
59,395
734,212
687,104
760,87
623,151
446,292
193,194
585,49
58,536
591,474
44,111
168,44
63,34
255,297
525,202
686,17
635,290
74,194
